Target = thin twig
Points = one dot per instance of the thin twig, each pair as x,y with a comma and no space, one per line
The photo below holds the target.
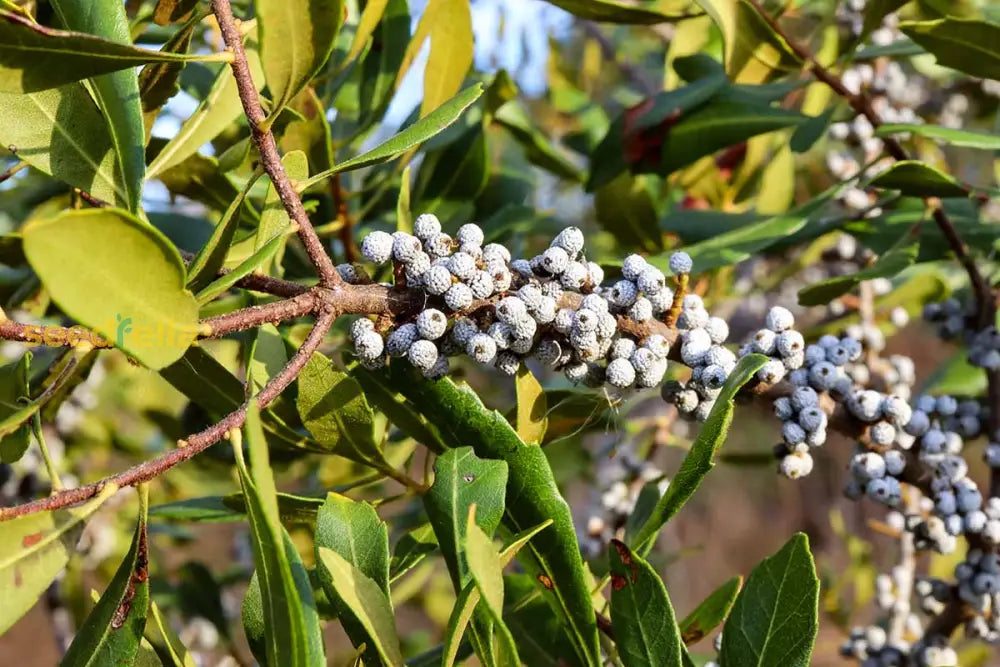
194,444
264,140
343,216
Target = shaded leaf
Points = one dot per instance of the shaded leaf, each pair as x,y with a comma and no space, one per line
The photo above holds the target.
14,392
411,549
712,611
165,641
610,11
158,82
34,549
112,631
968,45
646,632
700,458
144,308
917,179
774,619
293,635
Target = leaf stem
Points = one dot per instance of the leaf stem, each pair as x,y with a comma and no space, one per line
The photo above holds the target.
36,428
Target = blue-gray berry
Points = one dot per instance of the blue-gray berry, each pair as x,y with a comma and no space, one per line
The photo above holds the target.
633,266
431,324
423,354
620,373
426,225
470,234
377,247
400,340
569,239
779,319
482,348
458,296
680,263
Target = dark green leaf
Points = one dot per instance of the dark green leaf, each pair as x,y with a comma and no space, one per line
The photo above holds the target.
700,458
540,638
395,407
553,557
292,634
380,67
514,118
144,308
900,257
257,261
111,633
165,641
610,11
774,620
811,131
296,39
411,549
415,134
646,632
712,611
34,549
14,392
968,45
199,177
33,57
158,82
116,93
917,179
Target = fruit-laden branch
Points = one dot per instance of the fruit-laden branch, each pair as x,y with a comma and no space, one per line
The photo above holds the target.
264,140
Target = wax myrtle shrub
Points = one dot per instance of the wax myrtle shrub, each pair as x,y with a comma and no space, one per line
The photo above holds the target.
270,396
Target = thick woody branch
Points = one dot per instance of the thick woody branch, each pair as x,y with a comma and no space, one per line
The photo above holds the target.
254,316
194,444
264,140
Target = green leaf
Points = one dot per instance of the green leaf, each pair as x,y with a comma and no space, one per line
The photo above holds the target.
700,458
626,208
274,218
199,177
946,135
144,308
646,632
538,148
14,392
60,132
553,557
774,620
486,569
404,216
968,45
371,15
220,108
382,66
112,631
609,11
334,409
898,258
296,39
461,480
212,256
917,179
532,407
158,82
366,599
33,57
255,262
469,597
737,245
411,549
957,376
539,636
384,397
116,93
875,11
34,549
165,641
169,11
415,134
293,635
355,531
719,124
750,43
712,611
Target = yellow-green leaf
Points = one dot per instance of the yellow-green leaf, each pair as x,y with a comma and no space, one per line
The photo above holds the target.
118,276
274,218
532,407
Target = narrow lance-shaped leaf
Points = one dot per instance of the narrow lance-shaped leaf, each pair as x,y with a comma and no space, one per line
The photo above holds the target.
274,218
611,11
892,262
646,632
260,258
486,569
296,39
158,82
700,458
117,93
946,135
34,549
33,57
775,617
165,641
113,630
364,597
415,134
712,611
531,407
14,391
292,626
144,308
968,45
917,179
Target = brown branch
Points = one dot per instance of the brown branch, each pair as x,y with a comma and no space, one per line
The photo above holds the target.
254,316
258,282
343,214
194,444
264,140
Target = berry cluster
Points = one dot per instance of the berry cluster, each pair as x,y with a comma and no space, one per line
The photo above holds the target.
500,311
